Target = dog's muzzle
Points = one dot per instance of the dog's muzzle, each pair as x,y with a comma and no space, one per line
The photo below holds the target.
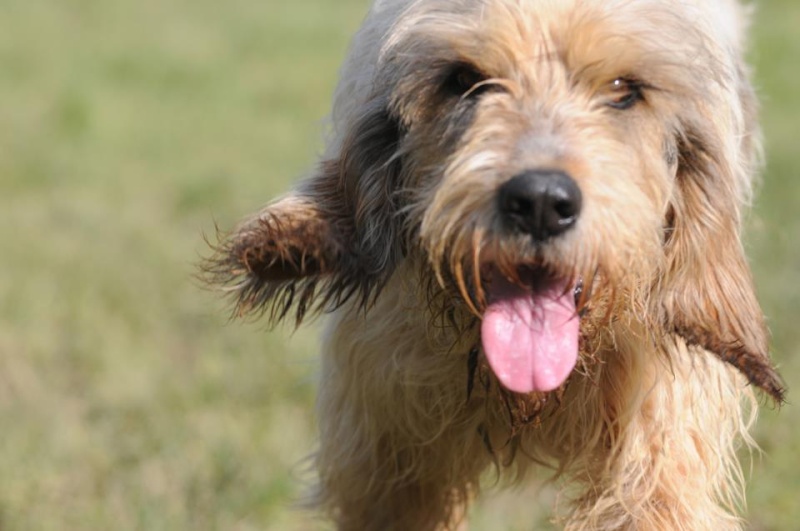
530,327
541,203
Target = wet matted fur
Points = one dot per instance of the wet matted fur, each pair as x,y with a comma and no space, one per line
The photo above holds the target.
646,108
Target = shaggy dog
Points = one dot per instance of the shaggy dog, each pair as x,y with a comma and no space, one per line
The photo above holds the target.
526,231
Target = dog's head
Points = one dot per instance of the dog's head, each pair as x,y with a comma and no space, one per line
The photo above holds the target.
534,156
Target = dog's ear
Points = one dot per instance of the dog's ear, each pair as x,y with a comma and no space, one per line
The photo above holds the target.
707,293
337,236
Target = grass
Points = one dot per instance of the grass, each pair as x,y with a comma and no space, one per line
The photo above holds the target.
126,128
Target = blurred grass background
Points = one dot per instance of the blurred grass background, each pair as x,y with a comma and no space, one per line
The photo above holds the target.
126,127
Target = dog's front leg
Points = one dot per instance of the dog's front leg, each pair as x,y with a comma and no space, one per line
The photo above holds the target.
671,464
398,449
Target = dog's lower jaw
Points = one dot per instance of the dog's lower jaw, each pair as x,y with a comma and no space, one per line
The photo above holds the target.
400,448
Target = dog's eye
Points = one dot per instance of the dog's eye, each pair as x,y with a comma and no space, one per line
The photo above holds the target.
462,80
625,93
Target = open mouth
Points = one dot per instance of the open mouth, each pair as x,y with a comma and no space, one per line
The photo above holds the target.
530,330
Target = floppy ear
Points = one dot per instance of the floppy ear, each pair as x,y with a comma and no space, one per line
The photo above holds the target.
708,294
335,237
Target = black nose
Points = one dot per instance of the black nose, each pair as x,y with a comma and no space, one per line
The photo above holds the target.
542,203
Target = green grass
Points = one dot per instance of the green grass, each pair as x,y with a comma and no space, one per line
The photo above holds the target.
126,128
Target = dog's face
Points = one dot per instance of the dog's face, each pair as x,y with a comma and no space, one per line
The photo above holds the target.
532,156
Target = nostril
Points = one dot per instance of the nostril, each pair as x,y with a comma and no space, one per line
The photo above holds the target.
518,205
565,209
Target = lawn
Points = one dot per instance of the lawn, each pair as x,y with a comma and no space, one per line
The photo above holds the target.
127,400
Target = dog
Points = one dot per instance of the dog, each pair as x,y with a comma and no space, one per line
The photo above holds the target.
525,233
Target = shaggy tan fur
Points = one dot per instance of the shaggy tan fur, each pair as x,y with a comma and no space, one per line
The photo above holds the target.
647,105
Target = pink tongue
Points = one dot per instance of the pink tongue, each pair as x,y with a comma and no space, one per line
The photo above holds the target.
530,339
